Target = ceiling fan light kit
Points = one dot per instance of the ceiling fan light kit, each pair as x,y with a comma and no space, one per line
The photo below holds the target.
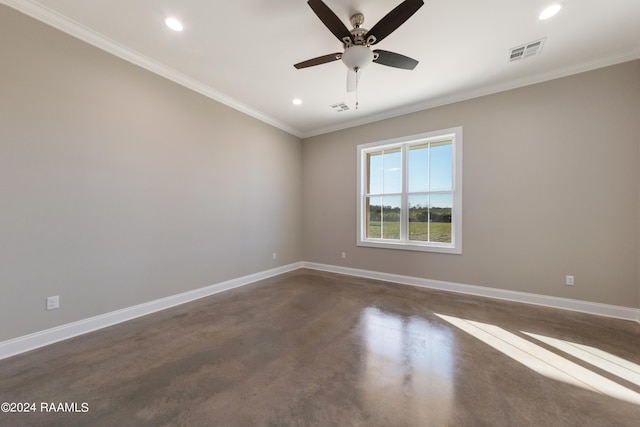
357,57
357,42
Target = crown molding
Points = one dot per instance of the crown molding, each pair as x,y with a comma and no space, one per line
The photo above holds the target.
56,20
52,18
616,58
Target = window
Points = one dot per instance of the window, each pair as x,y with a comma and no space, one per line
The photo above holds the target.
410,192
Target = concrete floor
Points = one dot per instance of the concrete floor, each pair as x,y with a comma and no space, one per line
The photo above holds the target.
318,349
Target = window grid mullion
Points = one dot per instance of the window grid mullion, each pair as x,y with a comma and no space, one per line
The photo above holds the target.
404,200
429,192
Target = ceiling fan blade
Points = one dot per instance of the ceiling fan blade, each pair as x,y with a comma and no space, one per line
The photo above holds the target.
331,21
319,60
395,60
393,20
353,78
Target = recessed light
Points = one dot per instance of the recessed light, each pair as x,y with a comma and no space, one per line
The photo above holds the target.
173,23
550,11
297,101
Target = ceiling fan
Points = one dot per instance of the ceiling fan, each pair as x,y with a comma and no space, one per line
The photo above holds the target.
357,42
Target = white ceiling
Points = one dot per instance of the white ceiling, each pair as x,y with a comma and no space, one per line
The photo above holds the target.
242,53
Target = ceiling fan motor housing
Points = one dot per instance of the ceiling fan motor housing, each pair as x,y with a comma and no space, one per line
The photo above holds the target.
358,33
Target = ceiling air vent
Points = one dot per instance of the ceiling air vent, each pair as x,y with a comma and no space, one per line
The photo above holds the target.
526,50
340,107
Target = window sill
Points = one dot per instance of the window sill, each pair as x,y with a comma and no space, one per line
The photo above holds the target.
444,249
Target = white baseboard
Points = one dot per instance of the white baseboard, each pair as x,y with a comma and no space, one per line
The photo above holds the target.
614,311
49,336
29,342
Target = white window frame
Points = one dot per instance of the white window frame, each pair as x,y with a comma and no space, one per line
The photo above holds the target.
455,247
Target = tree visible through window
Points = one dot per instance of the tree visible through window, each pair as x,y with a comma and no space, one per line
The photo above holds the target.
410,192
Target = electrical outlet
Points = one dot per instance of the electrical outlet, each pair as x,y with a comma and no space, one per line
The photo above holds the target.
53,302
569,281
343,255
275,255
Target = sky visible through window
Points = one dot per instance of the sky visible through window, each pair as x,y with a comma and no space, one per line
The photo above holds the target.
429,169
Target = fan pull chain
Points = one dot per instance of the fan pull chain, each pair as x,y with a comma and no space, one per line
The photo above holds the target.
357,81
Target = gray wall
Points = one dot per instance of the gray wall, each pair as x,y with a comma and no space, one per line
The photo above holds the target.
118,187
551,188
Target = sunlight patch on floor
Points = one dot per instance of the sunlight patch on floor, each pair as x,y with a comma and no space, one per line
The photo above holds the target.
601,359
542,360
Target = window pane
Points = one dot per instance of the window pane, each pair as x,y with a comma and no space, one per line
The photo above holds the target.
374,217
418,164
374,169
440,217
441,166
391,217
419,218
392,163
383,217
